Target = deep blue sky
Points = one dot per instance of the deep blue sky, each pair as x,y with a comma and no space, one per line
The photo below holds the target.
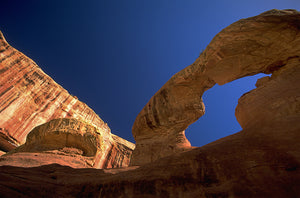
115,54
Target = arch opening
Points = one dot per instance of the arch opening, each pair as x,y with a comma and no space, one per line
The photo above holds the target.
219,119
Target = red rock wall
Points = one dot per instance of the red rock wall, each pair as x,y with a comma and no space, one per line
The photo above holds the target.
119,154
29,97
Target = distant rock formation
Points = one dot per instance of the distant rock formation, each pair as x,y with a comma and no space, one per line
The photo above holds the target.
261,44
29,97
262,160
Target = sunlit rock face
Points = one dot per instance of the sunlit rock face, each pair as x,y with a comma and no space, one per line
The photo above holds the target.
29,98
260,44
68,142
262,160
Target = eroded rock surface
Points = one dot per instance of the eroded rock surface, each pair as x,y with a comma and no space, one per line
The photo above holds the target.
276,99
263,160
69,142
241,165
29,97
260,44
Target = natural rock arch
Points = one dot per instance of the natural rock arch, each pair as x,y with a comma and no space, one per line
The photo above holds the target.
261,44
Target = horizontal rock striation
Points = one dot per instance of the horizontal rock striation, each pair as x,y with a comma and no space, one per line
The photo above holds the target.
260,44
29,97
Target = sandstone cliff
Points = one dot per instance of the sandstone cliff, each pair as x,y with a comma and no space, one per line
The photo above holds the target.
29,97
263,160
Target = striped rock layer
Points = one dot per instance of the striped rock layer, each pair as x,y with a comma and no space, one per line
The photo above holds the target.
29,97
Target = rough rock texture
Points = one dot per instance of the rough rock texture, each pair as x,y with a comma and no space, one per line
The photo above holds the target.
260,44
68,142
277,99
251,163
29,97
263,160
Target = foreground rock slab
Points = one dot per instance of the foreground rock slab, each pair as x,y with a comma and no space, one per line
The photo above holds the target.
247,164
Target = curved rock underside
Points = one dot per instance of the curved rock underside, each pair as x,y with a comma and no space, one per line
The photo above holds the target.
261,44
263,160
29,97
69,142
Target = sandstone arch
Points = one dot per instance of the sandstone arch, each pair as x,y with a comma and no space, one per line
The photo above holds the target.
267,43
